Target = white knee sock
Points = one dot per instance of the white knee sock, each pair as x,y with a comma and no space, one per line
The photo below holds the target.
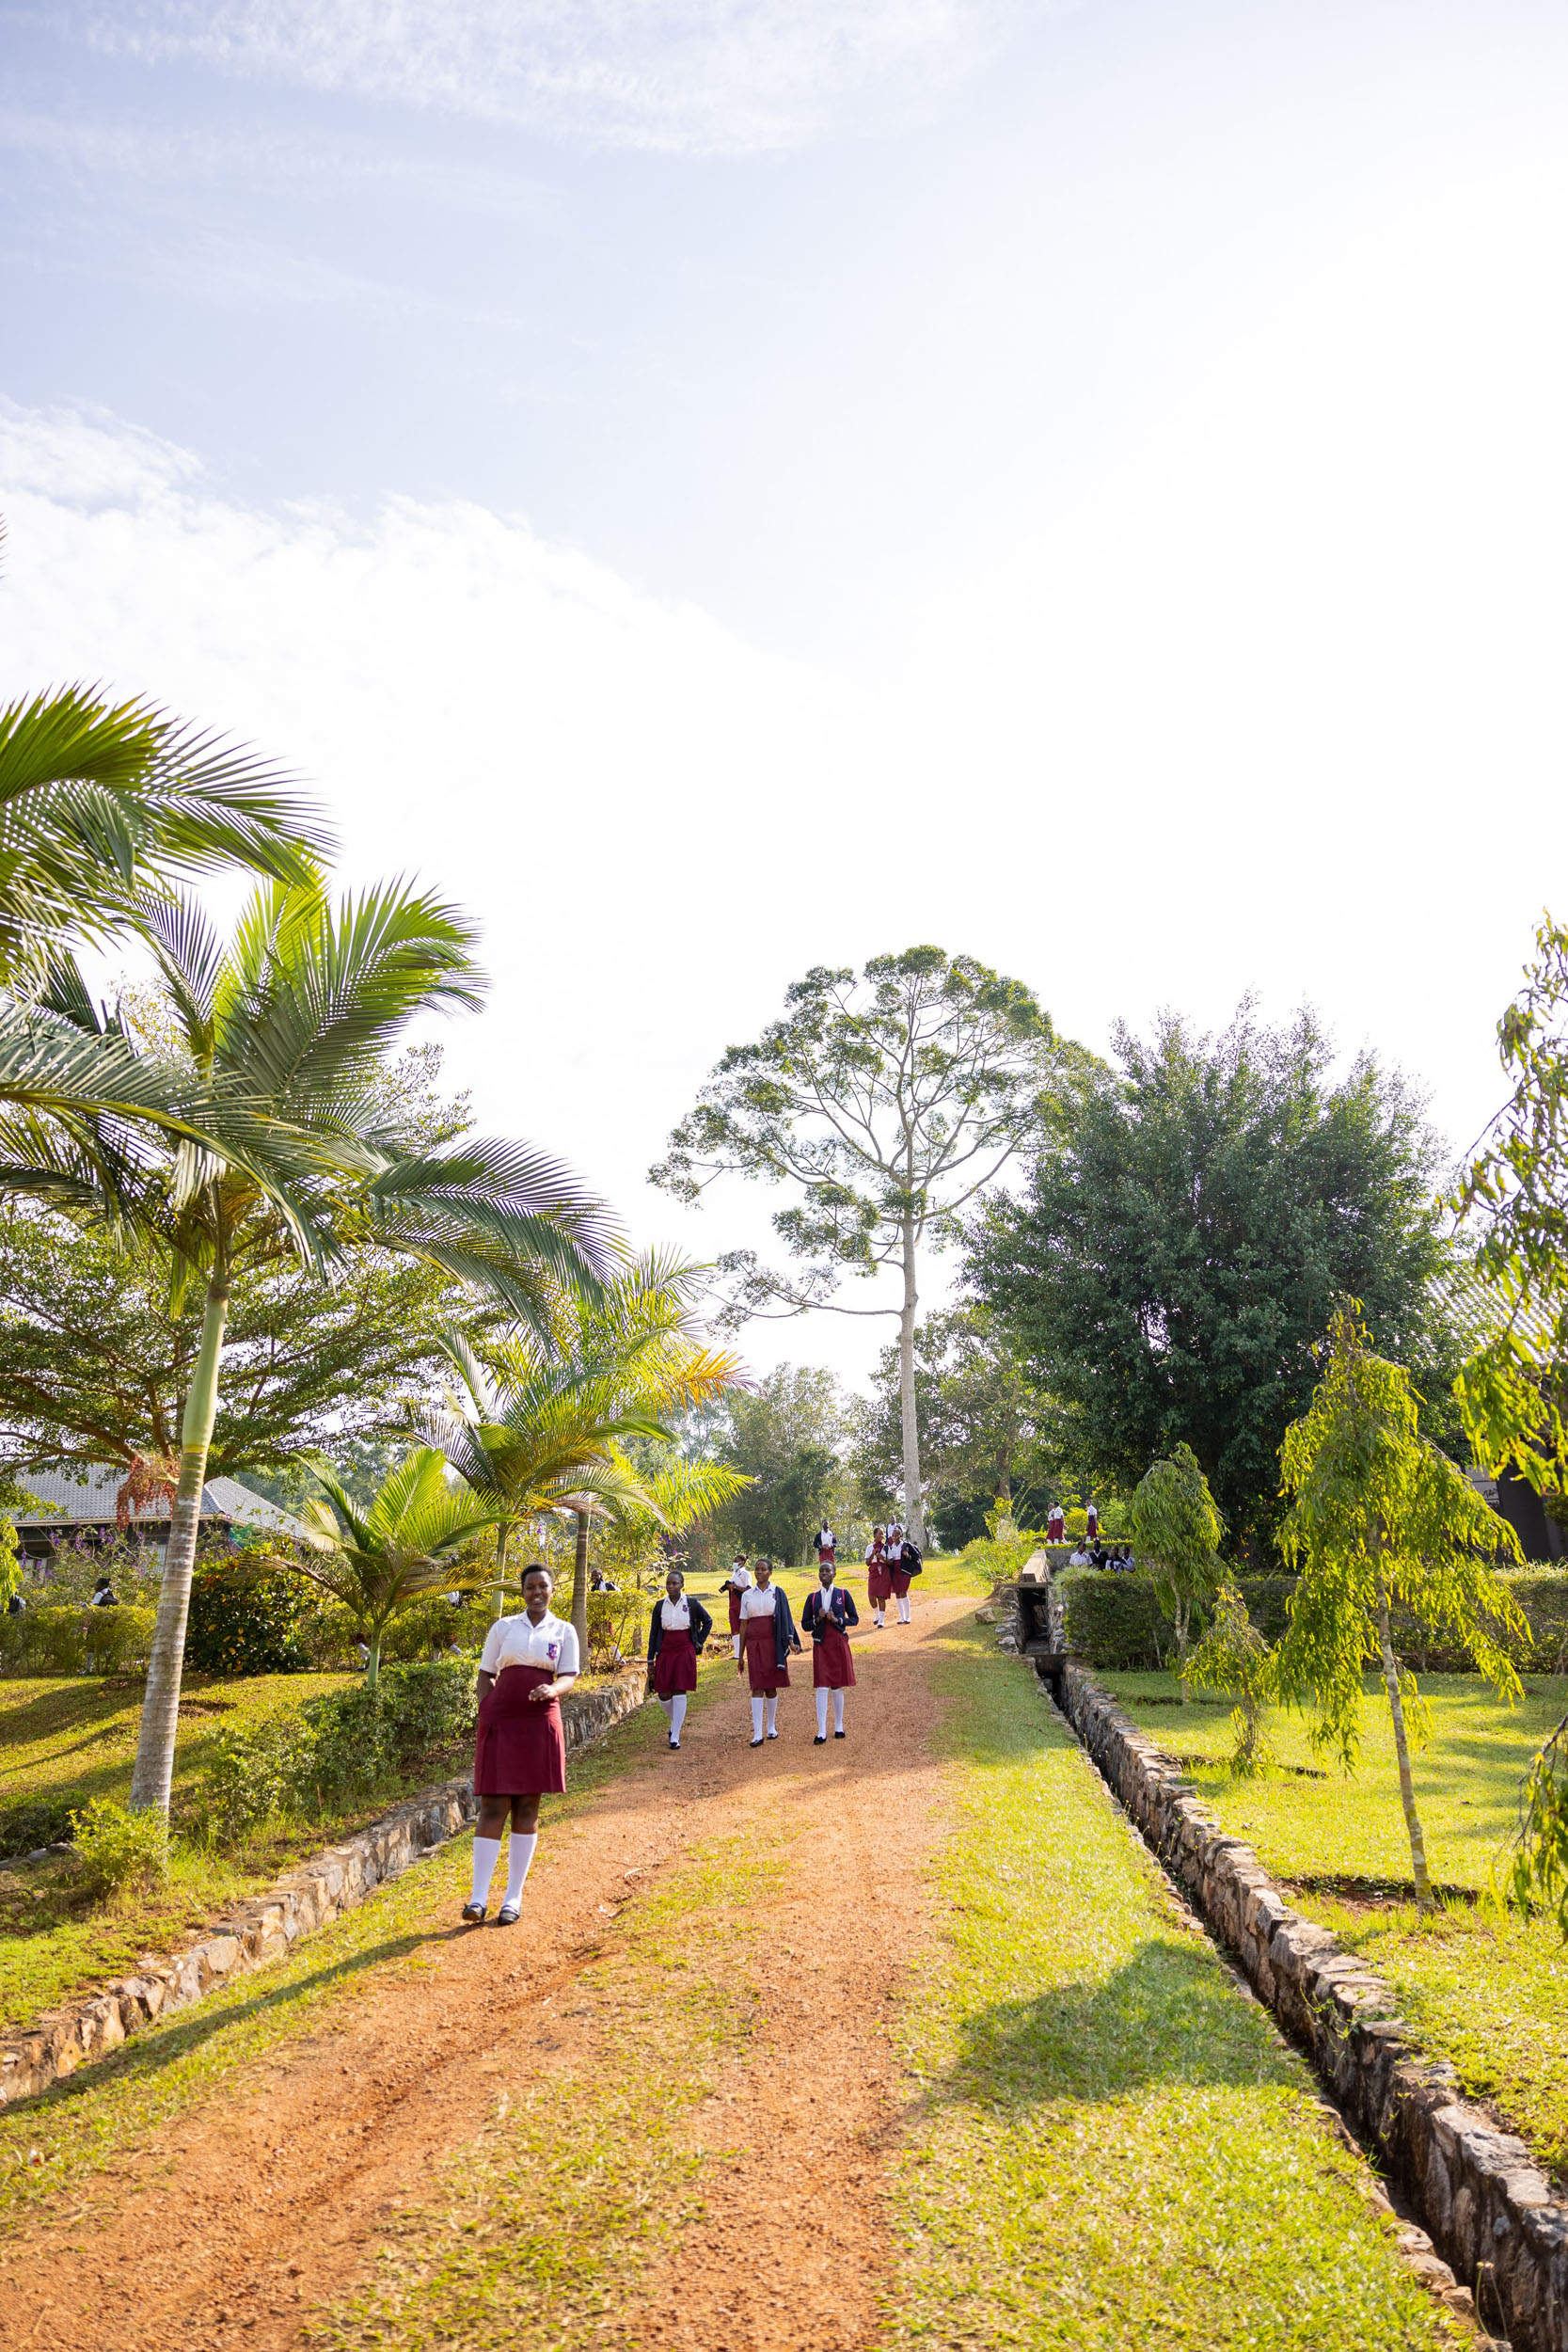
903,1610
667,1705
879,1619
772,1705
734,1645
676,1711
519,1854
822,1712
839,1710
756,1715
486,1856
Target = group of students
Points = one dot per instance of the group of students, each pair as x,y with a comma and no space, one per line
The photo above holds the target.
529,1661
1055,1523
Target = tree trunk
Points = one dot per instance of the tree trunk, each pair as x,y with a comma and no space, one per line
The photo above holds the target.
372,1660
1181,1647
915,1512
1401,1749
503,1535
160,1713
580,1589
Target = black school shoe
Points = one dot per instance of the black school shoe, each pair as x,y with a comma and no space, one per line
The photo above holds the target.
473,1915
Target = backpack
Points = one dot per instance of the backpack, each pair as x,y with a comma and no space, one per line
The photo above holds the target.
911,1563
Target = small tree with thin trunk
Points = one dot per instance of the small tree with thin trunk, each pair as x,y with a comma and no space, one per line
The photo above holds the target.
1176,1530
889,1101
1380,1519
1234,1657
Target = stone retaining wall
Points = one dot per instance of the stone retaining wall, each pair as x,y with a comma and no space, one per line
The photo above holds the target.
267,1926
1489,2210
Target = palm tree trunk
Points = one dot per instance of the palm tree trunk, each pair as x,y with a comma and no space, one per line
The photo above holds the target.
160,1713
1401,1749
914,1513
503,1535
372,1656
580,1588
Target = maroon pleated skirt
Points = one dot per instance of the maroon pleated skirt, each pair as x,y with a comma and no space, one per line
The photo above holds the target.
520,1749
675,1667
879,1581
900,1581
832,1661
735,1609
762,1657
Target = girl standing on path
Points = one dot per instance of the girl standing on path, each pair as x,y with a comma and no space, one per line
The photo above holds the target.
879,1585
827,1545
768,1630
676,1637
520,1748
737,1584
827,1618
903,1562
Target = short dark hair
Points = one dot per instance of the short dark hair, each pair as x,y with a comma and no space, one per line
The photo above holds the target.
675,1570
537,1568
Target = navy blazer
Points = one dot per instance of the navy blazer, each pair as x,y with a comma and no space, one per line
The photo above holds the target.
841,1608
702,1626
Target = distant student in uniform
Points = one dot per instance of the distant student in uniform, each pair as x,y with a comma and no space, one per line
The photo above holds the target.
675,1638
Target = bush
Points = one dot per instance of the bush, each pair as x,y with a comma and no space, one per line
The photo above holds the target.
1116,1621
116,1849
36,1821
246,1621
117,1641
70,1640
342,1746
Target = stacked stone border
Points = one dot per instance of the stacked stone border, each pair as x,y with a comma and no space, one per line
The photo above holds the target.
267,1926
1488,2209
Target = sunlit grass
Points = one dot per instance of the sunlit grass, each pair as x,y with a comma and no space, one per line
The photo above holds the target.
1490,1994
1108,2146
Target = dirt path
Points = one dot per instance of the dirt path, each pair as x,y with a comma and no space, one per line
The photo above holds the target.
240,2220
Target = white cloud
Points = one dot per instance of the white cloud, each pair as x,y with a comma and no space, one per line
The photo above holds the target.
714,76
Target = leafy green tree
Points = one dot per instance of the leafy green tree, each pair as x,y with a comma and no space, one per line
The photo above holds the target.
1380,1519
1175,1262
888,1103
95,1363
786,1438
409,1543
293,1022
980,1424
1233,1657
1176,1531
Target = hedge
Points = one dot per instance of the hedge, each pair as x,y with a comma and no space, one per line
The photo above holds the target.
1114,1621
62,1641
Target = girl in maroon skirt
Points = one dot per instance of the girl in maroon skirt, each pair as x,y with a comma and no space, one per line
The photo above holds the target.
879,1585
520,1748
737,1584
827,1618
768,1635
675,1638
898,1574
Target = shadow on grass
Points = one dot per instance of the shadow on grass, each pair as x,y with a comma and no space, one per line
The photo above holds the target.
1165,2015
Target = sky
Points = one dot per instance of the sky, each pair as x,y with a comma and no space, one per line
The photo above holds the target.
717,486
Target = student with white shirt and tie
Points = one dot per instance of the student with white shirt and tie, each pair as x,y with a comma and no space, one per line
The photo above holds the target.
829,1614
520,1746
675,1638
736,1584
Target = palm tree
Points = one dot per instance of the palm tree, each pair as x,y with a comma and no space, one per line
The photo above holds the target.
101,801
545,1417
284,1032
377,1562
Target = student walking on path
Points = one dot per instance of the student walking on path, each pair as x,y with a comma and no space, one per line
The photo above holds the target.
903,1564
829,1614
737,1584
675,1638
879,1585
827,1545
768,1627
520,1746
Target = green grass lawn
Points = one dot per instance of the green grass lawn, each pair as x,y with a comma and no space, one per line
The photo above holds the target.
1107,2147
1490,1994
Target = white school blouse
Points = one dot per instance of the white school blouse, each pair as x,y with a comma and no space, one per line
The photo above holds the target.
518,1641
675,1616
759,1601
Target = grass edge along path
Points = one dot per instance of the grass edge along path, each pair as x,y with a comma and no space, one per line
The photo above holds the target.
1107,2144
51,2146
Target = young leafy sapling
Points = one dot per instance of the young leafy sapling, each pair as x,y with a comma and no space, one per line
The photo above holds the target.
1380,1519
1234,1657
1176,1533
